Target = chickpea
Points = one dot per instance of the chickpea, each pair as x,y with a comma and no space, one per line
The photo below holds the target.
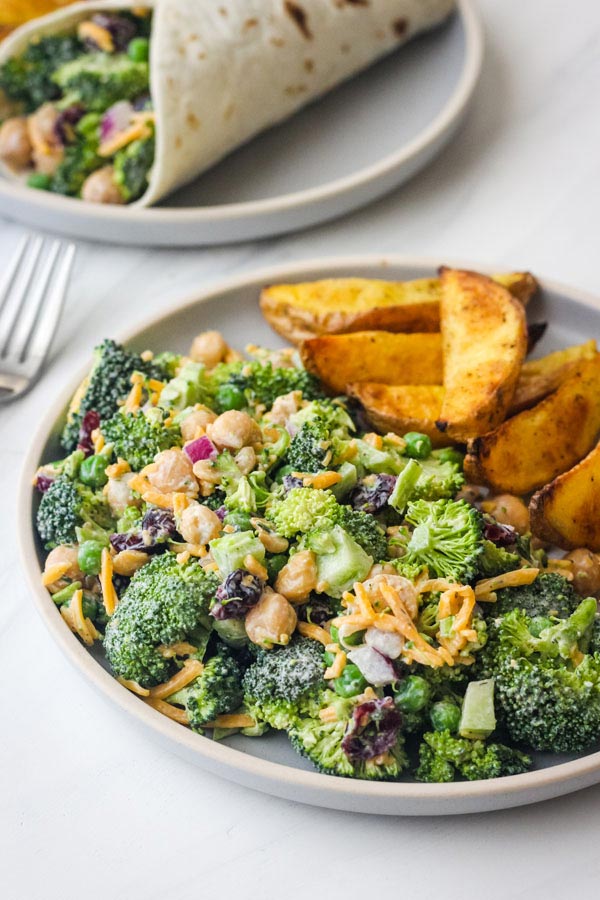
48,151
198,524
246,460
119,495
586,572
100,187
62,555
15,147
172,471
209,348
271,621
233,430
129,561
298,577
194,425
508,510
284,407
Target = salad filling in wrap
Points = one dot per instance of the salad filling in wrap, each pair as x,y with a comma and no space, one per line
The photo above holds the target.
117,103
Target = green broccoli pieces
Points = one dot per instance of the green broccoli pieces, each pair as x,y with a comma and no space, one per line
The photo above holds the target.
280,684
80,160
248,384
98,80
365,530
132,165
442,757
218,690
547,686
66,505
445,537
303,510
27,79
549,595
324,431
164,603
138,437
108,382
496,560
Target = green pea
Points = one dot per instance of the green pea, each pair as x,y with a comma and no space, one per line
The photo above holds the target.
451,454
351,682
230,396
275,564
40,181
445,716
418,446
239,520
93,471
413,694
89,557
138,49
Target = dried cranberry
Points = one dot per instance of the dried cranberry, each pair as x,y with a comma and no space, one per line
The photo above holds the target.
43,482
120,29
290,482
239,592
500,535
131,540
89,423
372,730
317,611
373,493
64,127
158,525
221,512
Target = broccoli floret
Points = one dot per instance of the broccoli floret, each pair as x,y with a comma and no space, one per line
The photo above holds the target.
434,478
496,560
324,431
216,691
132,165
366,531
27,79
446,537
547,687
97,80
549,595
164,603
259,382
323,742
138,437
66,505
303,510
108,382
80,158
443,756
278,679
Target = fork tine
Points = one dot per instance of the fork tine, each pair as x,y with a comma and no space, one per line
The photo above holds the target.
18,298
11,271
45,327
24,327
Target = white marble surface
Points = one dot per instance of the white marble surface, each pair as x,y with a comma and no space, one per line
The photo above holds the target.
88,808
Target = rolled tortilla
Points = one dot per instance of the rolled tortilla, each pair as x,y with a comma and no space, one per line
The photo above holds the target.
221,72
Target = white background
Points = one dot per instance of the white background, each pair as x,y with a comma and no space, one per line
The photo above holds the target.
88,808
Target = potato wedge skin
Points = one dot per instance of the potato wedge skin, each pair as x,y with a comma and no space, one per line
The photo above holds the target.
539,377
340,305
402,408
533,447
484,336
377,356
565,512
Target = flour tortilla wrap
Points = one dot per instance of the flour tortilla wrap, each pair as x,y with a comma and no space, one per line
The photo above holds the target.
221,72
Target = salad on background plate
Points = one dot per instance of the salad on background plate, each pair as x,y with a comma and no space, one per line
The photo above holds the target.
253,556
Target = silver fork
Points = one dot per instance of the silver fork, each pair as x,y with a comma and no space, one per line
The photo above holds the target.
32,293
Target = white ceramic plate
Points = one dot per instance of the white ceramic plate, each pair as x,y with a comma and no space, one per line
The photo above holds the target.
354,145
269,763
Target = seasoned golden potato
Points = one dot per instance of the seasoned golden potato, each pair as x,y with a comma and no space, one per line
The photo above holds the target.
341,305
402,408
539,377
565,512
341,359
538,444
484,338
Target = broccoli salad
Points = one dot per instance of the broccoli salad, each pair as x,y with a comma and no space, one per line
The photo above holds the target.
76,111
253,558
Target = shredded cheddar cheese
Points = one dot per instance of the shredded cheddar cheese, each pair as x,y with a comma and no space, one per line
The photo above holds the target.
73,616
54,573
109,595
134,398
232,720
191,669
138,130
181,648
167,709
337,666
315,632
255,568
134,687
121,467
101,37
484,590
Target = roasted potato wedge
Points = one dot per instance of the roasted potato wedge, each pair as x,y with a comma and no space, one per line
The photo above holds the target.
402,408
539,377
340,305
484,338
538,444
565,512
341,359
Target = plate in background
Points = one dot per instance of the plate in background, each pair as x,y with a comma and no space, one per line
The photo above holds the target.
355,144
269,763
